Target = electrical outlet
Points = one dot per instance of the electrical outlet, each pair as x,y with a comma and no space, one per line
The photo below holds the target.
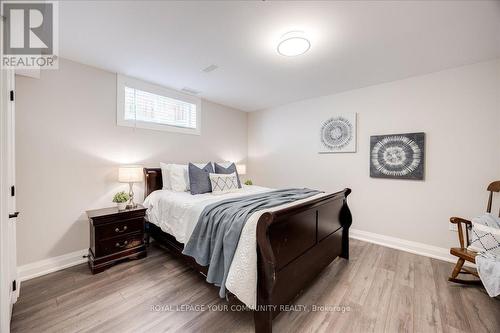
453,227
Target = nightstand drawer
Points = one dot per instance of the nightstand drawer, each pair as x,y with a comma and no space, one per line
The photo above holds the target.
121,228
117,244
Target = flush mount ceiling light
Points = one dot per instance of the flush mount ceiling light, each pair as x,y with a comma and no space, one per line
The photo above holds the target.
293,43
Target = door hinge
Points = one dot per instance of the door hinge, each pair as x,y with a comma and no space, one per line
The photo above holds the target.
14,285
12,95
12,191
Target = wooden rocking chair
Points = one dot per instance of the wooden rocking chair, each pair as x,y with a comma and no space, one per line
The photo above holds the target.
461,252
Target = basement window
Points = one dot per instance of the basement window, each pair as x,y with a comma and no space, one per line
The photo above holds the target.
145,105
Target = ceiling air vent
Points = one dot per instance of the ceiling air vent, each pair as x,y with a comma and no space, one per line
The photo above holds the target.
210,68
190,91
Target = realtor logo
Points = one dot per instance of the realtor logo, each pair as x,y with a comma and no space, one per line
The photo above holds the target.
29,34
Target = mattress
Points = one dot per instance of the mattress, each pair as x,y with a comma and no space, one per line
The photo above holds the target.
177,214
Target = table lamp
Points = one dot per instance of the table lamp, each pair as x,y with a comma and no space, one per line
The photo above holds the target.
130,175
241,168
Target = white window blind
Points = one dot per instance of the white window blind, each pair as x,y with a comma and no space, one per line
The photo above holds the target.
141,104
148,107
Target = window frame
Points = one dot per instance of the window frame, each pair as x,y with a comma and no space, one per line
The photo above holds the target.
123,81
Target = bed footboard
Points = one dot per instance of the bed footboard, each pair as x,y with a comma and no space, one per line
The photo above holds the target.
294,245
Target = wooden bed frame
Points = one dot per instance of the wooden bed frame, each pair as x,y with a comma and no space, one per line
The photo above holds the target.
294,245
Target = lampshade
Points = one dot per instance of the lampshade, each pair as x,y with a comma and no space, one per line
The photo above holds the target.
130,174
241,168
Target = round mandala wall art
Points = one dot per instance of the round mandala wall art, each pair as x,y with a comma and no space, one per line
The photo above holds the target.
397,156
338,134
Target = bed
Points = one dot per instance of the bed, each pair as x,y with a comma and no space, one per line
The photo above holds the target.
291,244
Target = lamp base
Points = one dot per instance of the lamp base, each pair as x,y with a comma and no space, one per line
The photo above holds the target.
131,204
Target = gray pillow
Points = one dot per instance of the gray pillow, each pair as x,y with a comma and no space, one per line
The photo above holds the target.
199,180
228,170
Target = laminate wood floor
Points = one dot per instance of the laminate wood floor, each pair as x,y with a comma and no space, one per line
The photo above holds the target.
378,290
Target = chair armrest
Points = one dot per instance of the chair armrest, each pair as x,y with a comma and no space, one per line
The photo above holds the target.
457,220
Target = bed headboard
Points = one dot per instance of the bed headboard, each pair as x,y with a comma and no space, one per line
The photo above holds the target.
153,180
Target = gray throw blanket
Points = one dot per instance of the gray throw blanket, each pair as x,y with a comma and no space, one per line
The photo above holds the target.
216,235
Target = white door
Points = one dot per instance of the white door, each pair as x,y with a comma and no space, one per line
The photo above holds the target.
9,287
11,176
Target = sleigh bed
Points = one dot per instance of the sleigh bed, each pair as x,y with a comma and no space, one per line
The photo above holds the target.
294,244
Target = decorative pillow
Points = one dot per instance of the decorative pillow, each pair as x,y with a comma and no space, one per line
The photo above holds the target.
224,164
199,179
485,234
179,176
179,181
228,170
165,176
223,183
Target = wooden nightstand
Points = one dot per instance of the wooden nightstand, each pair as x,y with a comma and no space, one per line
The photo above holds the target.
115,235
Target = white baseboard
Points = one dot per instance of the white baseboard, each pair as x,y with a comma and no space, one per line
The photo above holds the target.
422,249
50,265
46,266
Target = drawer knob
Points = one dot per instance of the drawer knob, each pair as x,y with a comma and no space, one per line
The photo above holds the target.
121,245
118,229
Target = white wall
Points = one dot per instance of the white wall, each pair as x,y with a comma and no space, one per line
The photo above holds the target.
69,148
458,109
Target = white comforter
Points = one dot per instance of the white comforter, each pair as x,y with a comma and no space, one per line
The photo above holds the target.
177,214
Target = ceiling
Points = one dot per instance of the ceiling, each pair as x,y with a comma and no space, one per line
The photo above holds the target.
353,43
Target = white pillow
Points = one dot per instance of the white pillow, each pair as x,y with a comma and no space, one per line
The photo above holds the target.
223,183
178,176
179,181
165,175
